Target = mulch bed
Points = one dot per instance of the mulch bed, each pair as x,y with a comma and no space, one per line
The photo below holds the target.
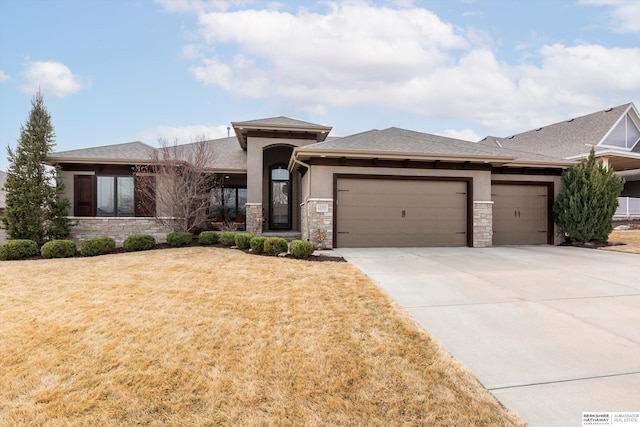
592,245
161,246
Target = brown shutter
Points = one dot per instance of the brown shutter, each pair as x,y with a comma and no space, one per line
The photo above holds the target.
145,192
84,195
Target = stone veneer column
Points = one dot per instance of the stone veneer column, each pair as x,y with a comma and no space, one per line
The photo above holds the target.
482,224
318,215
254,218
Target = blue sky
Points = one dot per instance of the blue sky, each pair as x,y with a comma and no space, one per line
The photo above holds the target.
118,71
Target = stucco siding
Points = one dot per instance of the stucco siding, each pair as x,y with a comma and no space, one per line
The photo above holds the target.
322,178
68,180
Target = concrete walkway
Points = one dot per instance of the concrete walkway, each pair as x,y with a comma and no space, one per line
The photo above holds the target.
551,331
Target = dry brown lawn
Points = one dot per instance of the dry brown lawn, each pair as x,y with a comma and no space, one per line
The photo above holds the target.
207,336
631,240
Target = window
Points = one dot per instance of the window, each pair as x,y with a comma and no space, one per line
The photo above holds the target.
115,196
228,204
624,135
280,193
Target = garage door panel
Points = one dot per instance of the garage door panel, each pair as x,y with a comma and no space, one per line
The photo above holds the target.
520,214
380,212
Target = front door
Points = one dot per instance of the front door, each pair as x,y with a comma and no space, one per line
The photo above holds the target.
280,189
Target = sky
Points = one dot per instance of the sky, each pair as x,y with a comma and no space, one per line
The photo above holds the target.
115,71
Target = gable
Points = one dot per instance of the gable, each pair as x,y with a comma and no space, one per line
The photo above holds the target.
625,134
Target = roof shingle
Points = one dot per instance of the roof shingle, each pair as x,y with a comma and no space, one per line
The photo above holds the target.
398,140
564,139
127,151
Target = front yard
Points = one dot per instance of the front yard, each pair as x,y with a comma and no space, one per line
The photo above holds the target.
206,336
631,240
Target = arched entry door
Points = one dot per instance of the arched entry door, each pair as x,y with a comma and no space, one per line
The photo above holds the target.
280,195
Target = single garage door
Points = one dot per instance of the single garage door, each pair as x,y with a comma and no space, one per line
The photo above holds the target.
400,212
520,214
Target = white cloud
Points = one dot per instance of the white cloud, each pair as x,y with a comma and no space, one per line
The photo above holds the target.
623,13
357,54
184,134
349,44
52,78
199,5
3,76
464,134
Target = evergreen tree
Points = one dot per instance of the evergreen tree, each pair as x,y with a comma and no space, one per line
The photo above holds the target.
588,199
35,208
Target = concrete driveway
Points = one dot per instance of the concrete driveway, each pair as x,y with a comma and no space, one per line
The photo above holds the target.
551,331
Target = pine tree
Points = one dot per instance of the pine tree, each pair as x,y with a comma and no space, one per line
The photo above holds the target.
588,199
35,208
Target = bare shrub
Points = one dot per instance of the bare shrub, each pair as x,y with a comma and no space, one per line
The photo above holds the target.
174,188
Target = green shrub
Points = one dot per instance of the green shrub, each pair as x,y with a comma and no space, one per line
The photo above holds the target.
208,238
585,206
243,240
18,249
257,244
99,245
275,245
228,238
301,248
179,238
59,249
139,242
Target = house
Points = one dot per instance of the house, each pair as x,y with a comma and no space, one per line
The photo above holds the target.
391,187
3,178
3,205
614,134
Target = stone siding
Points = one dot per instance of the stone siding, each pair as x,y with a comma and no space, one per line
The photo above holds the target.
3,235
254,218
118,228
482,224
317,214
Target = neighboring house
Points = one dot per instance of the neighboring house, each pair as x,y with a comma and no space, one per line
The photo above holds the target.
3,178
614,134
391,187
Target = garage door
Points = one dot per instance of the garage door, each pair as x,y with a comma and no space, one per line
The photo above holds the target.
520,214
393,212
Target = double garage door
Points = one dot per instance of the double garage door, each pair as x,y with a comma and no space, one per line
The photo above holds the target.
401,212
385,212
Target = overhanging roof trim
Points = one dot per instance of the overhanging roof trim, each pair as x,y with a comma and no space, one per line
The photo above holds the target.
282,124
298,152
494,160
608,153
96,160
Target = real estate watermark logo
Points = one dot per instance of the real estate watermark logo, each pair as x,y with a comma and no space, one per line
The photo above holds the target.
620,419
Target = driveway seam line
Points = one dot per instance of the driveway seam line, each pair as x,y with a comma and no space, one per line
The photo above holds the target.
522,300
565,381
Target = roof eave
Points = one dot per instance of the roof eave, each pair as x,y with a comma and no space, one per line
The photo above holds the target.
398,155
228,170
96,160
545,164
241,128
607,153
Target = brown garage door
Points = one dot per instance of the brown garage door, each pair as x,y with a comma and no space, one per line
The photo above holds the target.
520,214
399,212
